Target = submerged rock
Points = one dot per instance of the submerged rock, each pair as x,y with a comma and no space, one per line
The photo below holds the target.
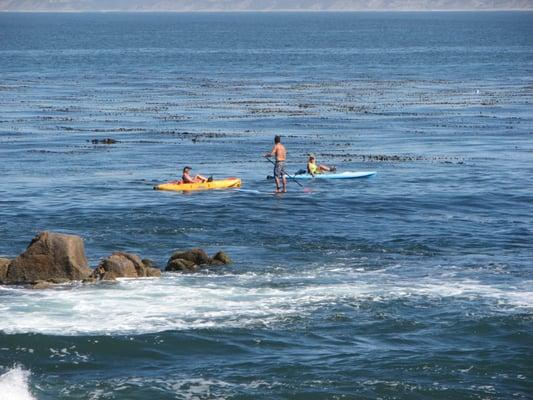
124,265
49,257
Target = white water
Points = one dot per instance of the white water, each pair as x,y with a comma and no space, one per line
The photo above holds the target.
14,385
177,302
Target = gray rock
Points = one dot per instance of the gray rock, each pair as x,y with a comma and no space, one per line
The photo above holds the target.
49,256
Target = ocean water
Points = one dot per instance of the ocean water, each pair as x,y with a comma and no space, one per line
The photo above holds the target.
413,284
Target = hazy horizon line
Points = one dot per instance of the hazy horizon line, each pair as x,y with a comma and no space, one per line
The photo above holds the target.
269,11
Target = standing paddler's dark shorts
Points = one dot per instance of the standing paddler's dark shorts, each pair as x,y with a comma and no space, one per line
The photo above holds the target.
279,169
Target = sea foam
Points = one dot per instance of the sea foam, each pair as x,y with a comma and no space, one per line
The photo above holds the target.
180,302
14,385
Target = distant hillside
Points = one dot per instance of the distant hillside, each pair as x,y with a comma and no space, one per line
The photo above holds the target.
261,5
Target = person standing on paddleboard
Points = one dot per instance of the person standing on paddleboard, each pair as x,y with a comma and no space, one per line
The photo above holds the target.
280,153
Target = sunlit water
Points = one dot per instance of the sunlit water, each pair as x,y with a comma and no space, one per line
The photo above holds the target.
415,283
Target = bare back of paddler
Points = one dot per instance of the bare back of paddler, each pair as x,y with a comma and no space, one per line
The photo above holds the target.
280,153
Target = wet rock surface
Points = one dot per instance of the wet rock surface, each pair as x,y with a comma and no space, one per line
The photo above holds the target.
124,265
40,285
180,265
221,258
50,256
55,258
196,256
153,272
4,262
194,260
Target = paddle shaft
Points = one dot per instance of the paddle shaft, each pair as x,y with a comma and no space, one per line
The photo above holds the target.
272,162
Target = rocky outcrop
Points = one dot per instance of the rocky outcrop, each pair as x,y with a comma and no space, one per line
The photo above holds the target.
180,265
4,262
40,285
153,272
55,258
221,258
196,256
124,265
193,260
52,257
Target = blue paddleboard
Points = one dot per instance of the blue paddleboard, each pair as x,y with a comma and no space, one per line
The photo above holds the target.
341,175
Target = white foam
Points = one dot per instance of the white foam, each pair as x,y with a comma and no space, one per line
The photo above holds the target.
178,302
14,385
183,388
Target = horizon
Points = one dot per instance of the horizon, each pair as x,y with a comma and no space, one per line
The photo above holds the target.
245,11
201,6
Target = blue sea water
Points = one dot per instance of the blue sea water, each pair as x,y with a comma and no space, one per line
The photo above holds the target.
413,284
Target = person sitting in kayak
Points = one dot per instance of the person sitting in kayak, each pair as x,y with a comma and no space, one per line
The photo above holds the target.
313,168
187,178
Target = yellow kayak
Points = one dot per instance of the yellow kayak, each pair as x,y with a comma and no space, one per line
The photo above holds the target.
178,186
